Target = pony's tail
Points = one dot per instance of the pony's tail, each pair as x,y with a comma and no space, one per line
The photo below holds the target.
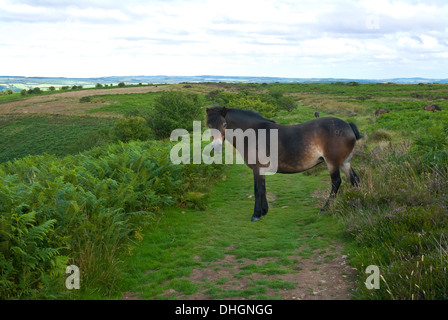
355,131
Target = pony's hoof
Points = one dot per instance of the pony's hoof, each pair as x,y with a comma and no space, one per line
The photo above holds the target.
254,219
321,211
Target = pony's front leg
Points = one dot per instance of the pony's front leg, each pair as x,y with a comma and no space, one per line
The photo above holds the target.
261,204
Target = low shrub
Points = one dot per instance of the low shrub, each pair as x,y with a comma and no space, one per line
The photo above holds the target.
379,135
266,109
85,99
85,210
397,220
131,128
175,110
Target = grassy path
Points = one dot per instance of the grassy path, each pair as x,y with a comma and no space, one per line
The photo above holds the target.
292,253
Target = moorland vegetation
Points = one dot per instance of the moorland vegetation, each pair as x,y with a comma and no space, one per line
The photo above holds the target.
83,189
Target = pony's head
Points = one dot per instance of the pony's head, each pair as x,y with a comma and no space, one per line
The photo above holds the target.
216,119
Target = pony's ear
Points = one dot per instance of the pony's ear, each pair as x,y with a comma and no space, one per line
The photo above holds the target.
207,109
224,111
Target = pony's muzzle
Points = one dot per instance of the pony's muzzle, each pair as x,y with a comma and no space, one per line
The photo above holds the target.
217,144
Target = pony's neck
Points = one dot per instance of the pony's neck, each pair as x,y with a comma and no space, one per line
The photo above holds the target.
238,119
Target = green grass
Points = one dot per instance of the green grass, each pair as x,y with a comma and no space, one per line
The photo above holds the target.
127,104
33,135
171,250
4,98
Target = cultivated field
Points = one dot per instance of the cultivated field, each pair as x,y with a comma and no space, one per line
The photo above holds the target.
86,180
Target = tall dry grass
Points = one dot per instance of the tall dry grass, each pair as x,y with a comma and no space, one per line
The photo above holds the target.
398,220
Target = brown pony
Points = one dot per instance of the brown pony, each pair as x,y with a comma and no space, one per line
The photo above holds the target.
300,147
381,111
432,107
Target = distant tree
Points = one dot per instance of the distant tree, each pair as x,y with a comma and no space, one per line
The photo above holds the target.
23,92
121,84
287,103
98,85
9,91
36,90
51,88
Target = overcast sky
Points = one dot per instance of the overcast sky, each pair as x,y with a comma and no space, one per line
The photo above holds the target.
323,38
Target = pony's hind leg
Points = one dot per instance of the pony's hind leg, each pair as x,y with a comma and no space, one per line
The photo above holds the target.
354,178
335,184
350,173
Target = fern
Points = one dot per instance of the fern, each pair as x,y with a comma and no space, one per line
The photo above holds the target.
23,246
85,208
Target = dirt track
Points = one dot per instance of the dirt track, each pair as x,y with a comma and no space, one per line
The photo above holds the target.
317,280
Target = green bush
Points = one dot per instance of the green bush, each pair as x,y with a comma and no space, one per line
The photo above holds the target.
213,95
380,135
36,90
131,128
267,110
84,210
25,256
287,103
85,99
175,110
266,104
221,97
431,147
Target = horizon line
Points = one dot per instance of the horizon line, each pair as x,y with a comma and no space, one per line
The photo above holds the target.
220,76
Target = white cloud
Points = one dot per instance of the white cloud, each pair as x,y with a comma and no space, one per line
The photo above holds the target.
234,37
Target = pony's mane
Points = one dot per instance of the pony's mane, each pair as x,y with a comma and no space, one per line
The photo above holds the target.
215,113
252,114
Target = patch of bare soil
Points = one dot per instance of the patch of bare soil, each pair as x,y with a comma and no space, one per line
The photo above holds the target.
317,278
